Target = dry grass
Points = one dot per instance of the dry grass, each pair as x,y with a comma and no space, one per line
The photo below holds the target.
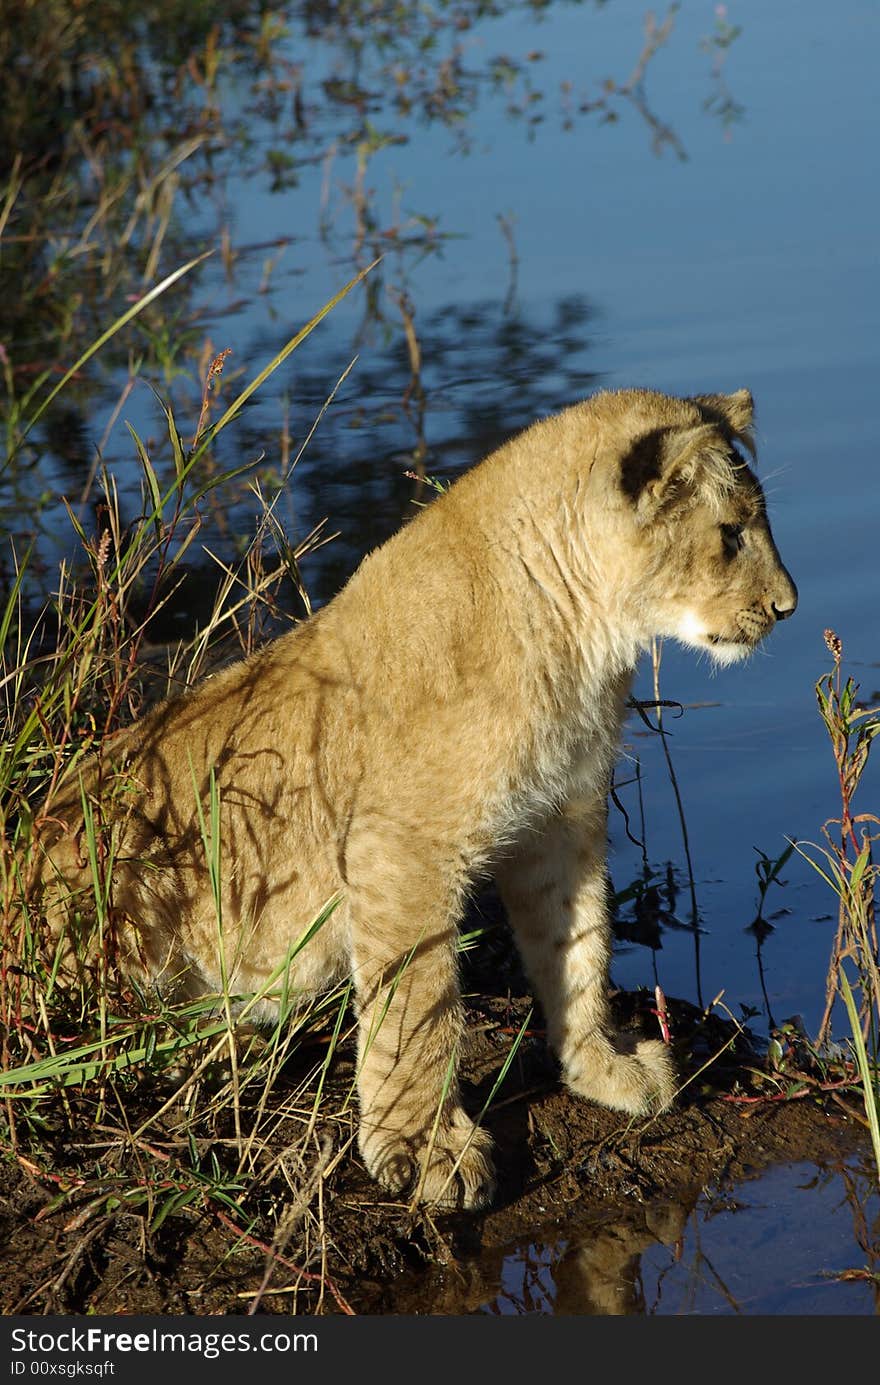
182,1108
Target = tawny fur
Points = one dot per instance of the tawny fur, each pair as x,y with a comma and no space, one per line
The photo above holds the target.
455,710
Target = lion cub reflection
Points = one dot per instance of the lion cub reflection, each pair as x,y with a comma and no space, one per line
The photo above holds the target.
454,711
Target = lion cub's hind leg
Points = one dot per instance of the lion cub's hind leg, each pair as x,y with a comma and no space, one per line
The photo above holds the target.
554,889
414,1133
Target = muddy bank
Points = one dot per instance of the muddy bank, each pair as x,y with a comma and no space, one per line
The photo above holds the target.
324,1239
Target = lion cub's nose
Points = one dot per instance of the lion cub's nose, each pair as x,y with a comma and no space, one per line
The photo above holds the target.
783,602
782,609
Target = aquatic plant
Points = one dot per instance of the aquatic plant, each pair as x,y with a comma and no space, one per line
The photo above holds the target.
847,864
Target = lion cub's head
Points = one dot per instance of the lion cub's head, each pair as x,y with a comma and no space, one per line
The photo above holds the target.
709,573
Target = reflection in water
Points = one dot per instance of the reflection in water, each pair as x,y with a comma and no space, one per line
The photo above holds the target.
129,144
705,1255
598,1273
110,122
595,1269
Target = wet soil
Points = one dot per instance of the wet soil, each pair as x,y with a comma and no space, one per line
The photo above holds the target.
329,1241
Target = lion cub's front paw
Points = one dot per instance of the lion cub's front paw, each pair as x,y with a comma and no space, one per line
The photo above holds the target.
459,1172
639,1082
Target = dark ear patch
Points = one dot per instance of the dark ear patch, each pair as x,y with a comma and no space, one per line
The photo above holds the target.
642,464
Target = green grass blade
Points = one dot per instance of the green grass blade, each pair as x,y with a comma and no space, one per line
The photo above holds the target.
502,1073
869,1091
79,1065
111,331
12,599
276,361
503,1070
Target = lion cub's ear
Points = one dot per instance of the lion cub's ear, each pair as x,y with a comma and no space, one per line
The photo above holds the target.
668,466
735,412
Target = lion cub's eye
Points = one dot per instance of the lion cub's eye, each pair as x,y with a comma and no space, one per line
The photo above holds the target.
733,536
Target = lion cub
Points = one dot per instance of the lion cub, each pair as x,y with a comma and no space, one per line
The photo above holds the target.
454,711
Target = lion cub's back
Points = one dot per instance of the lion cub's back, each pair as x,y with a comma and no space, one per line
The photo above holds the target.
257,730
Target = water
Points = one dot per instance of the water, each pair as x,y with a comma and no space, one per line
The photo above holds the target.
754,1251
743,252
